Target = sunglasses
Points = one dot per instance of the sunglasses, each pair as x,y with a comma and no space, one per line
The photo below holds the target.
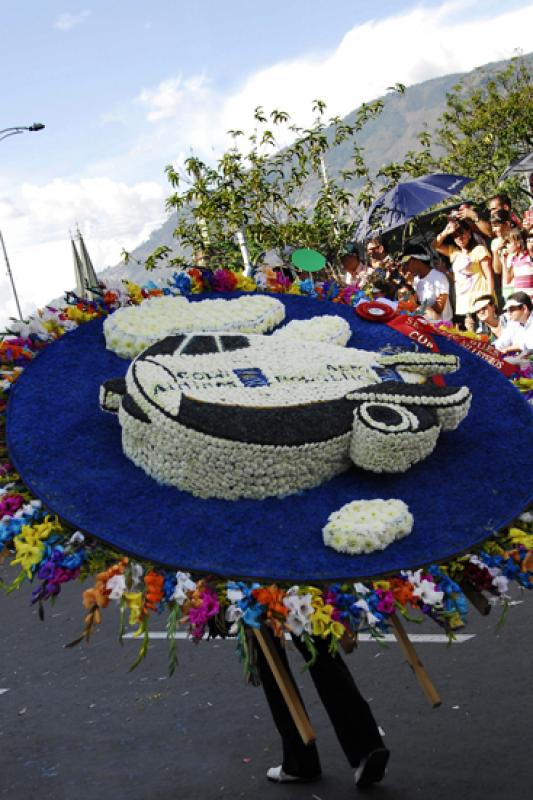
514,308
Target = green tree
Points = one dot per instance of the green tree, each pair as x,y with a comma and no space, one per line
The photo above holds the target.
277,196
481,131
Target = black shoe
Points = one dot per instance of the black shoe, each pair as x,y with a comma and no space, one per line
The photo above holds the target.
372,767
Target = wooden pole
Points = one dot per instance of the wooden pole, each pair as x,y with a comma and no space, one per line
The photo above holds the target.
414,661
286,685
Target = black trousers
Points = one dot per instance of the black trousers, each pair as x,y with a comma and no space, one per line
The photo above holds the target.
348,711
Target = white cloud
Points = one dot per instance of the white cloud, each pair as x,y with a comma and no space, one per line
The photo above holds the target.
112,215
170,96
66,21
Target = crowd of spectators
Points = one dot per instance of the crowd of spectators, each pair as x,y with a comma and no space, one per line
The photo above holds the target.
477,273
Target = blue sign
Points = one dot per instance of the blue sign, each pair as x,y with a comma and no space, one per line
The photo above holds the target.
251,377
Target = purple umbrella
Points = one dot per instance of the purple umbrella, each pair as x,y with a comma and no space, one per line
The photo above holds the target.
406,200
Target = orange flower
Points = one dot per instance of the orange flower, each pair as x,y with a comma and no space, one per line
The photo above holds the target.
196,596
154,590
98,596
407,305
13,351
272,598
527,563
94,597
402,591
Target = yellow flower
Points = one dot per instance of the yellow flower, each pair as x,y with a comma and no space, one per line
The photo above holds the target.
294,288
518,536
29,554
524,384
322,623
134,292
316,594
245,283
455,621
77,315
29,544
53,326
337,629
134,603
196,286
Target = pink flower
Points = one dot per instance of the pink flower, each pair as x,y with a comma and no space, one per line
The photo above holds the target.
10,505
200,615
386,601
224,280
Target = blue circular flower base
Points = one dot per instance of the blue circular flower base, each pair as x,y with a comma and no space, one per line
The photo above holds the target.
69,454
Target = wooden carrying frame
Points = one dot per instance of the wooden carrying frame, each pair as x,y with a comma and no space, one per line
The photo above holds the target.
286,684
290,694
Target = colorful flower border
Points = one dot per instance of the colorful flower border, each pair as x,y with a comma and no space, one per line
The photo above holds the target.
49,554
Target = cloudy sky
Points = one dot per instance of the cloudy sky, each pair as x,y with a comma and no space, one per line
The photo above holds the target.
125,88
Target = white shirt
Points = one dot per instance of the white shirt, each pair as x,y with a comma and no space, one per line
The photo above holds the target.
428,289
517,334
392,303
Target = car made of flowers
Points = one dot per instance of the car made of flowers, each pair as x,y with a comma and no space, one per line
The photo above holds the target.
234,415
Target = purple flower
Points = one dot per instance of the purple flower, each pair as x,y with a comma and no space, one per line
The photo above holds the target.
46,571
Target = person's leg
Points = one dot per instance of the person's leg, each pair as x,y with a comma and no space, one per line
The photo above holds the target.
298,759
347,709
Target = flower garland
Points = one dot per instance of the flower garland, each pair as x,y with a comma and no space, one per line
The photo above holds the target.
49,553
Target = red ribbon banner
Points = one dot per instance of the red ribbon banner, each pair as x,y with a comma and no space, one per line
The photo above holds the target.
420,331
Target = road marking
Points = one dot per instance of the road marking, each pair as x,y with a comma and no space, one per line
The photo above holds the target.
3,691
419,638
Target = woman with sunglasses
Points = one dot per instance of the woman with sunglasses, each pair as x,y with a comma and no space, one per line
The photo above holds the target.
471,266
517,336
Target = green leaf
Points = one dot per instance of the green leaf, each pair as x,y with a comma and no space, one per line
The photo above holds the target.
143,650
173,618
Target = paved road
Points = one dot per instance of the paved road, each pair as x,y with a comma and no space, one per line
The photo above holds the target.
76,725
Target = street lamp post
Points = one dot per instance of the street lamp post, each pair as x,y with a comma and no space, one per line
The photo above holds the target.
35,126
10,275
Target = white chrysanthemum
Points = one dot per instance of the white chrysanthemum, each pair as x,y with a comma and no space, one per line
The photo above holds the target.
329,328
131,330
363,526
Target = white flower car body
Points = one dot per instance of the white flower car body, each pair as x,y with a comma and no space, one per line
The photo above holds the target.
233,415
132,329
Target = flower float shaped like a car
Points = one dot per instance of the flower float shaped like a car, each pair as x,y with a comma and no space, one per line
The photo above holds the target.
232,415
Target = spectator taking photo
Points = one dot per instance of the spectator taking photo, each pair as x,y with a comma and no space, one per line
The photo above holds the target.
430,284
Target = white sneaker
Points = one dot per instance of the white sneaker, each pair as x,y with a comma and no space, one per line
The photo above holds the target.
372,768
277,775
